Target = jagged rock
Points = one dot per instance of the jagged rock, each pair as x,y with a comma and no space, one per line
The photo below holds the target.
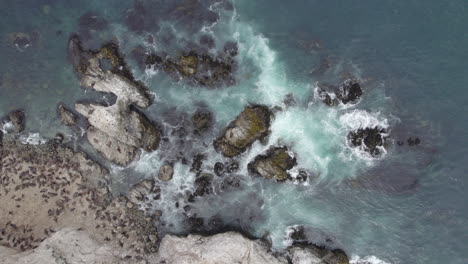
118,130
349,92
274,164
219,168
201,121
166,172
199,69
139,191
197,163
371,140
251,125
203,184
66,115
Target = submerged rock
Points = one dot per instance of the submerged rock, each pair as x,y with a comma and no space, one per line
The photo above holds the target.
166,172
66,115
203,184
119,130
202,121
251,125
371,140
274,164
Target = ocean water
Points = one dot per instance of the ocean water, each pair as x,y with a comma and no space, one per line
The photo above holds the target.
408,206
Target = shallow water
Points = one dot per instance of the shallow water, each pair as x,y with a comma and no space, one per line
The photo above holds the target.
407,207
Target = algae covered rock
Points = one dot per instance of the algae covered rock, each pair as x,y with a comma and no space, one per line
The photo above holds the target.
199,69
274,164
252,124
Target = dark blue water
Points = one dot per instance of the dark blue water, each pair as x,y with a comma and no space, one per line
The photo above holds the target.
408,207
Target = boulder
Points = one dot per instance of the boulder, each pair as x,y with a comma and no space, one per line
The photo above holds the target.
369,139
251,125
166,172
203,184
274,164
66,115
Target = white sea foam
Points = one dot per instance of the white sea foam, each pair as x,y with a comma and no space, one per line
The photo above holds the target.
360,119
32,139
7,126
366,260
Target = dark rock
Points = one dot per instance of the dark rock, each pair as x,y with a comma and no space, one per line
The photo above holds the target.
203,184
231,49
231,181
140,18
202,121
274,164
232,166
197,163
301,176
369,139
21,40
350,92
59,137
417,141
92,21
251,125
289,100
166,172
195,222
400,143
219,168
207,41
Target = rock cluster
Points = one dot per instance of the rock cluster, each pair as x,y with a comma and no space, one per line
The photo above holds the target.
274,164
198,69
369,139
349,92
16,121
119,130
252,124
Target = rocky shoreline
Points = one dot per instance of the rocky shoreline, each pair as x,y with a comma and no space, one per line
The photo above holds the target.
55,200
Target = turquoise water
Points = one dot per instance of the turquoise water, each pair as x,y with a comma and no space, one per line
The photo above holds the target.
407,207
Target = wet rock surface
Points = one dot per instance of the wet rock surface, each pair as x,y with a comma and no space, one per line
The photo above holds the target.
274,164
66,115
371,140
166,172
119,130
251,125
202,121
349,92
199,69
